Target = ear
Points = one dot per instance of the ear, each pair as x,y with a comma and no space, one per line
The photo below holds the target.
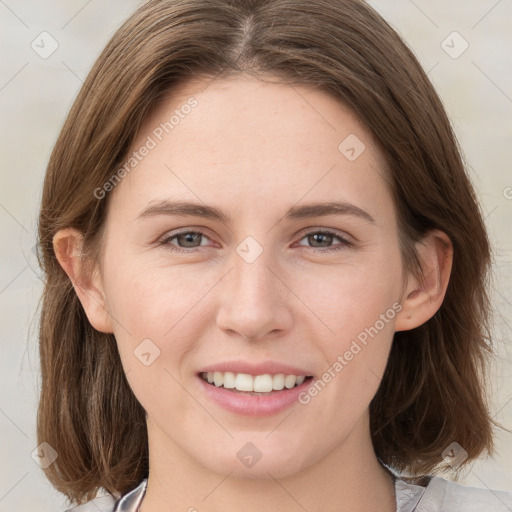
424,296
67,245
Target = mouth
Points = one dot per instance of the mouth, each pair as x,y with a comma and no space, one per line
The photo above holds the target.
259,385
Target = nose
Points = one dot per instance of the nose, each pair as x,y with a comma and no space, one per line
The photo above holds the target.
253,300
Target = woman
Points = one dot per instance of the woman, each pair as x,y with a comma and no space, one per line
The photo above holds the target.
266,271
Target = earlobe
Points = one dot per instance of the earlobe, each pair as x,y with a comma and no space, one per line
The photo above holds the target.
67,245
424,296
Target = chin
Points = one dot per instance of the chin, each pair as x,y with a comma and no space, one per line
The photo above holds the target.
259,460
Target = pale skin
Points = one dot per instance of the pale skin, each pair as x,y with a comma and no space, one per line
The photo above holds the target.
254,150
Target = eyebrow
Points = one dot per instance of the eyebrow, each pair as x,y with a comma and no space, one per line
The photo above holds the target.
184,208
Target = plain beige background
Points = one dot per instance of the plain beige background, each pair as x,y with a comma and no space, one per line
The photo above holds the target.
466,45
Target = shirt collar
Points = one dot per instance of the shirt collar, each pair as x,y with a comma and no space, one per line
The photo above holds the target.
407,497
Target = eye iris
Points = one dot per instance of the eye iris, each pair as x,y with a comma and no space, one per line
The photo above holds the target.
325,237
189,238
192,238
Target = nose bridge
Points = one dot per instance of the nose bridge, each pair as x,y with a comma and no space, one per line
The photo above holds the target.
253,302
251,274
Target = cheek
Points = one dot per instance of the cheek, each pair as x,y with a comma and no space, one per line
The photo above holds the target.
152,300
357,305
355,361
349,298
155,327
160,310
149,298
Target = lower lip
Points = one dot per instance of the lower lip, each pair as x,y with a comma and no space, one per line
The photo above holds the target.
254,405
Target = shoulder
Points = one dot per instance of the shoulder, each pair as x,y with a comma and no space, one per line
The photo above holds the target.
441,495
129,502
463,498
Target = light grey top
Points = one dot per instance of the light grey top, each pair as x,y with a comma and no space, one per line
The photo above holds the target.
440,495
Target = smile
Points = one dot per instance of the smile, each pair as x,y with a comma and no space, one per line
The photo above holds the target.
256,384
238,392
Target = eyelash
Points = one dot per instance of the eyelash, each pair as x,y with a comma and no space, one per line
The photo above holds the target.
345,243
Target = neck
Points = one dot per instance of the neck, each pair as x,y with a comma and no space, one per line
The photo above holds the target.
349,478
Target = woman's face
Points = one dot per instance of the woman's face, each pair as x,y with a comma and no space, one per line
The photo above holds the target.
272,278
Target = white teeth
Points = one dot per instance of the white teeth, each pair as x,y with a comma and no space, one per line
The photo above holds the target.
278,381
257,384
289,381
244,382
218,378
229,380
300,380
263,383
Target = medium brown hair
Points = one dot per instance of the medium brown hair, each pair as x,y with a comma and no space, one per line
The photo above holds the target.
432,392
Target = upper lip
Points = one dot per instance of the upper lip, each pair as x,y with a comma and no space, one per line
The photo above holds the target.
251,368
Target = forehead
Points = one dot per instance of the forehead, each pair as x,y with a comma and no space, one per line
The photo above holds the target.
249,111
241,138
